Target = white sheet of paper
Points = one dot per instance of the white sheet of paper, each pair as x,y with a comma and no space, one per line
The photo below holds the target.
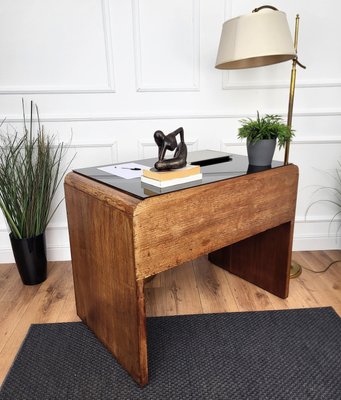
126,170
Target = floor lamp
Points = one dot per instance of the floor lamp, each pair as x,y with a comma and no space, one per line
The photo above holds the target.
258,39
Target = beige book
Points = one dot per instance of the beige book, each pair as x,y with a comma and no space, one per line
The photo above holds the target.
189,170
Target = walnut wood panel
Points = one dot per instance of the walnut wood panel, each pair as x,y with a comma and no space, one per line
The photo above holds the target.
263,259
109,299
180,226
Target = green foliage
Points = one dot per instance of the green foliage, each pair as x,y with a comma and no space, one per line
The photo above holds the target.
332,195
268,127
30,173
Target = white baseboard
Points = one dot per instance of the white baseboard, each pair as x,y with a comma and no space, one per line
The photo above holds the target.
6,256
55,253
58,253
316,242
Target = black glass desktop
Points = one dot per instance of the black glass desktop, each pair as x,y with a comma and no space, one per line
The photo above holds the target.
215,166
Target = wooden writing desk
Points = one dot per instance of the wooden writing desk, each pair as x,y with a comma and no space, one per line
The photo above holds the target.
244,223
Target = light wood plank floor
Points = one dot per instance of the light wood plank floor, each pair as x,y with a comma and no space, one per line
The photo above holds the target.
195,287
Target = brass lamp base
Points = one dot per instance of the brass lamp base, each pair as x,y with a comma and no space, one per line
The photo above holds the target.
295,270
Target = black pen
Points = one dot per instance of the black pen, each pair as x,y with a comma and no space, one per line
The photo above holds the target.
131,169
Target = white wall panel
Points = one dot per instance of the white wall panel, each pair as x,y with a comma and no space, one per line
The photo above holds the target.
112,72
166,38
55,46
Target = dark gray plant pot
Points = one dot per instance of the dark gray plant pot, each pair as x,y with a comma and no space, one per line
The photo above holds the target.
30,257
261,153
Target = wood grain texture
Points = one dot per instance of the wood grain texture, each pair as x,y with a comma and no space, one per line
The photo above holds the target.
109,299
105,194
117,241
213,288
186,224
263,259
25,305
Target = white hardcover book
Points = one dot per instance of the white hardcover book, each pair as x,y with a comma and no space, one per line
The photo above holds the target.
171,182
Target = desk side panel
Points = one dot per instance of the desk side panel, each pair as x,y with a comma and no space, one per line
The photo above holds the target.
180,226
263,259
108,297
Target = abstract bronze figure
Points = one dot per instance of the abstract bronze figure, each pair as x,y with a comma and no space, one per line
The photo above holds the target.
169,142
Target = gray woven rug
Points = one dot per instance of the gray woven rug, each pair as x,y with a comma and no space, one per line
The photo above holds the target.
260,355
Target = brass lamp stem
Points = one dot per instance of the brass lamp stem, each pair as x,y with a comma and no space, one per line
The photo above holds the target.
292,90
295,268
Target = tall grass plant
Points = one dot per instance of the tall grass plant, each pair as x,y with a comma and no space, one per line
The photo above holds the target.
30,174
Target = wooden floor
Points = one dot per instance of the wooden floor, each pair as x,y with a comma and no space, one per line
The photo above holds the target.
195,287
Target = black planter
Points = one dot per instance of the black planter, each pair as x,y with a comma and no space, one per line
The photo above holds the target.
260,153
254,168
30,257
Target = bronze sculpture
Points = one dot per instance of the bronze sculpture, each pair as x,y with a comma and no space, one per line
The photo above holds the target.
169,142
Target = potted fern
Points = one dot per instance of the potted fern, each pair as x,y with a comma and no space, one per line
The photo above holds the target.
30,173
261,136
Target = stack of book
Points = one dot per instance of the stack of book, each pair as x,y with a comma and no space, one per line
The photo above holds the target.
172,177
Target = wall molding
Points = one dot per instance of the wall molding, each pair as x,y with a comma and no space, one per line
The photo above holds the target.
69,89
192,145
141,86
283,84
109,53
165,115
316,140
113,146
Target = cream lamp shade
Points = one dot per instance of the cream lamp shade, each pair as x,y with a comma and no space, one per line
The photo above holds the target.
254,40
